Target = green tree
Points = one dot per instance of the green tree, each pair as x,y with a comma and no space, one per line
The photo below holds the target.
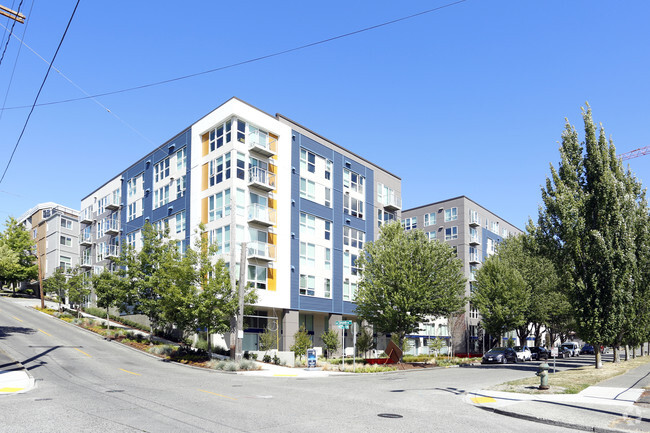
267,340
301,342
406,279
18,239
8,261
500,296
365,341
58,284
331,340
588,224
78,288
108,290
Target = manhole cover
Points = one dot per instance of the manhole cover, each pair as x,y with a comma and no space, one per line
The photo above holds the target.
389,415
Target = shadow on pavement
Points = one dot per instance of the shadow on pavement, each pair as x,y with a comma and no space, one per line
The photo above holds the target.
6,331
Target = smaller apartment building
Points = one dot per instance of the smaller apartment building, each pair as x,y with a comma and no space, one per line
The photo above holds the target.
474,232
55,228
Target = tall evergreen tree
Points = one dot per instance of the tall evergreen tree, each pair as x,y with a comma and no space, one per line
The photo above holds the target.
587,222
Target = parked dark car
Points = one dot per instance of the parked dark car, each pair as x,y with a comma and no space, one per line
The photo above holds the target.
588,349
563,352
539,353
499,355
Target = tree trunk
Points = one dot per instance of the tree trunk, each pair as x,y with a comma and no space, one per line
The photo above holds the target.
634,352
108,320
627,353
599,361
616,349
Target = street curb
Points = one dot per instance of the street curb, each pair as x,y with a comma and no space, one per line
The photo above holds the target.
546,421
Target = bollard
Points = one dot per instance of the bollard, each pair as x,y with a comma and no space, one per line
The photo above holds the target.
542,372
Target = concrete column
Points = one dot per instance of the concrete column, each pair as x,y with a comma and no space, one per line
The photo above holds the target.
332,325
289,327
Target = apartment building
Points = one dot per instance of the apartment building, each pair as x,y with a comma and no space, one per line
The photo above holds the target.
55,228
303,205
474,232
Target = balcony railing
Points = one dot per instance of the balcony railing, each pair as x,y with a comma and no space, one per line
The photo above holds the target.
263,143
112,251
260,250
86,262
474,258
261,214
392,202
86,216
474,219
85,239
475,239
261,178
112,226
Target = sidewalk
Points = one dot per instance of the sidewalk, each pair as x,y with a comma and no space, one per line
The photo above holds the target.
615,405
14,379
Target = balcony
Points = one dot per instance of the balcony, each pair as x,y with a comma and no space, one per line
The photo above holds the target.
474,219
86,262
261,215
260,251
261,178
262,143
392,202
112,251
474,258
112,227
86,216
113,202
85,239
474,240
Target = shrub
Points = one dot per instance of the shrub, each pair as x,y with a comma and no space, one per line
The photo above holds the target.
276,359
245,364
201,344
267,358
163,349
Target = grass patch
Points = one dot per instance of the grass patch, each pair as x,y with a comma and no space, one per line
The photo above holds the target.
575,380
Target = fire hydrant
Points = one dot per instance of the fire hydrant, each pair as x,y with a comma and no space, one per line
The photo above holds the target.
542,372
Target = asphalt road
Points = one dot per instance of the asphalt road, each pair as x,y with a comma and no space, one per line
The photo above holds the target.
85,383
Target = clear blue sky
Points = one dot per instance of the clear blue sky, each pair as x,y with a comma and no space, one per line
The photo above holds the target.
469,100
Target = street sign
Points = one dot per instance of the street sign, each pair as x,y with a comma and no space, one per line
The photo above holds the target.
344,324
554,352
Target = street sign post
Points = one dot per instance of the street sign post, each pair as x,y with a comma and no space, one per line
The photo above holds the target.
343,324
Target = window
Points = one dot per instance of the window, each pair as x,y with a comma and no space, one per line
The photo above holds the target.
474,218
353,238
307,255
66,223
219,169
180,222
101,204
47,213
473,254
494,227
100,251
257,277
350,264
451,233
349,290
219,205
327,288
504,233
181,246
307,285
181,160
132,211
451,214
307,225
221,238
384,217
161,197
307,161
429,219
131,239
241,165
241,131
161,170
217,135
328,230
328,196
352,206
132,186
66,241
353,181
181,186
65,263
328,259
431,235
410,223
307,189
328,169
491,247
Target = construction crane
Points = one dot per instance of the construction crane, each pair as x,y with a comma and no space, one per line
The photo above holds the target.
635,153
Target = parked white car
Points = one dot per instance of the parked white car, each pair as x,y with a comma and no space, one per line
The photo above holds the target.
573,347
523,353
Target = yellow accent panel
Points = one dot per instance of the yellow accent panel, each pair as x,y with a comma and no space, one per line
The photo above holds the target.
273,203
205,140
204,210
204,177
273,168
271,280
273,238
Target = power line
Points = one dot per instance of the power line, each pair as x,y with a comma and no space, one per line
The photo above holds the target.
39,92
244,62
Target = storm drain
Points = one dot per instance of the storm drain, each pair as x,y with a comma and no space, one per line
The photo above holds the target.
389,415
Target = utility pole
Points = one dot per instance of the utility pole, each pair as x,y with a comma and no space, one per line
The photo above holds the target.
40,275
16,16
